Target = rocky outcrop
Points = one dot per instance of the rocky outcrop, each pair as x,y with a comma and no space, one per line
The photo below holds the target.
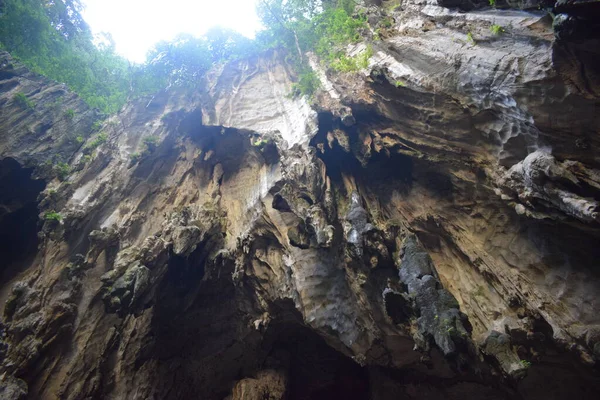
425,228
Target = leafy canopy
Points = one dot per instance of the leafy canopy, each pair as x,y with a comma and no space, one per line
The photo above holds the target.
51,38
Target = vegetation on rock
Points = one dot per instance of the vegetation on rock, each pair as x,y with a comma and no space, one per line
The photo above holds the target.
23,101
52,39
496,29
52,216
62,170
324,28
94,144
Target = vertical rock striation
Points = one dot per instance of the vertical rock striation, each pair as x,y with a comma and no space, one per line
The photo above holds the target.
425,228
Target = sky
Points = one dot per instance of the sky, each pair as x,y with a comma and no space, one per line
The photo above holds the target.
136,25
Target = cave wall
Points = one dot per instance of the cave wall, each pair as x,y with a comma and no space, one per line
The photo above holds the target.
423,228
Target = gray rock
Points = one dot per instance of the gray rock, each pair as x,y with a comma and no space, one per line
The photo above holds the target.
185,239
356,225
12,388
439,316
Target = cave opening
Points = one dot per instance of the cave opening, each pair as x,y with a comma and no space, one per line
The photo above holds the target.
315,370
18,217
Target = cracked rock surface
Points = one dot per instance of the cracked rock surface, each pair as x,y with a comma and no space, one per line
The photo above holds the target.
435,238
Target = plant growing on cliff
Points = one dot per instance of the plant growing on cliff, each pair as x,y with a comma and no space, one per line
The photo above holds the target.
324,28
391,5
496,29
52,216
135,157
387,22
525,363
96,126
470,38
94,144
62,170
308,83
352,64
69,114
22,101
151,142
492,3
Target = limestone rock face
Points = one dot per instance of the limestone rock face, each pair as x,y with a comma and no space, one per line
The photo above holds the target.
424,228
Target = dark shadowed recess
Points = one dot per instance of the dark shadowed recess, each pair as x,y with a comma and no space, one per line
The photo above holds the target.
377,169
18,217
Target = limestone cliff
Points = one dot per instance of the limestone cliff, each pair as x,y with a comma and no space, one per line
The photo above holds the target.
426,228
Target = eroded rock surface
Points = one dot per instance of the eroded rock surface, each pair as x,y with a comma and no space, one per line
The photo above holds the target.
426,228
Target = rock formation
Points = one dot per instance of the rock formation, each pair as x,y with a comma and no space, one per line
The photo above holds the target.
426,228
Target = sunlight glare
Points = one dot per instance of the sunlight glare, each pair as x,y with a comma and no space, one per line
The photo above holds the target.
136,25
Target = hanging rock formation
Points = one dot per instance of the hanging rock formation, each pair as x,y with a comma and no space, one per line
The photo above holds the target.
426,228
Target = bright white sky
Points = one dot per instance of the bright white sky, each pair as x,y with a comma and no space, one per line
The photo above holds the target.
136,25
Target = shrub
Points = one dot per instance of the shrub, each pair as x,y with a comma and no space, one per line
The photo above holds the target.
525,363
363,58
79,139
23,101
400,84
352,64
96,126
62,170
496,29
260,142
470,38
308,83
492,3
94,144
52,216
387,22
69,114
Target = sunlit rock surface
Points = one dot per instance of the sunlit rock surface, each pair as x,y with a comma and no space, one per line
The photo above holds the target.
425,228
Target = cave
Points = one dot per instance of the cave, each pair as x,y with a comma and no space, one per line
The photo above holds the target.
18,217
315,370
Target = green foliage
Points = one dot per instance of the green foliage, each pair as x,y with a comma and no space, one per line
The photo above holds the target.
23,101
324,28
69,114
96,126
62,170
496,29
387,22
184,60
151,142
391,5
95,143
259,142
79,139
345,64
492,3
308,83
51,38
470,38
525,363
351,64
135,157
52,216
400,84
